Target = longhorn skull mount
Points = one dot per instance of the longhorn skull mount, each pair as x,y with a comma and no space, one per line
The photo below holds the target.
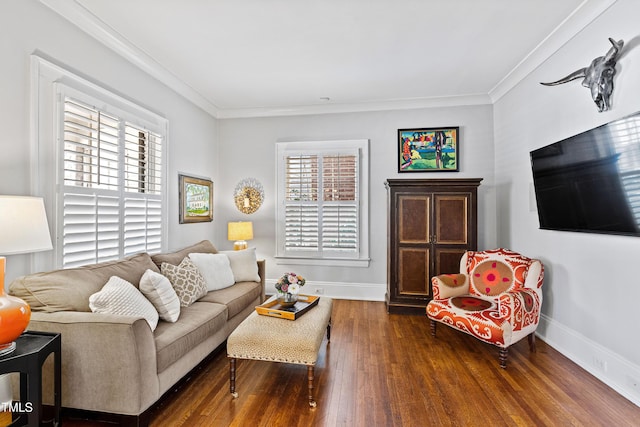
598,76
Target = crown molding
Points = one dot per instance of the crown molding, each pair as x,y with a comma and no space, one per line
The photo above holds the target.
586,13
79,16
334,108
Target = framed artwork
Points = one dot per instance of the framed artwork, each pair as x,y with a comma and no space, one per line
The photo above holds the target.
429,150
196,199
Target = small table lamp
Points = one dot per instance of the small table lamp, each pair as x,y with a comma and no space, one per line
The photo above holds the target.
240,231
23,229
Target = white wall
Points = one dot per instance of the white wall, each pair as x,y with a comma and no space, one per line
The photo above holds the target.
591,288
247,149
26,26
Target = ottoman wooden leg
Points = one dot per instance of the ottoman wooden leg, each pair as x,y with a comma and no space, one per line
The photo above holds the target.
310,369
329,331
232,377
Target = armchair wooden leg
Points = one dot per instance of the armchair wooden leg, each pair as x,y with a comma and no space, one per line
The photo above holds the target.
433,328
532,342
504,353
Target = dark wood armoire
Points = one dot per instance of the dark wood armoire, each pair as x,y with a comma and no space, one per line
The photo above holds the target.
431,223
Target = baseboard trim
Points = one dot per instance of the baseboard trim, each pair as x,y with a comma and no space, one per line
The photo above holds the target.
338,290
609,367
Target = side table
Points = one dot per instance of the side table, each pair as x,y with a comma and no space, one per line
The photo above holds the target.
32,349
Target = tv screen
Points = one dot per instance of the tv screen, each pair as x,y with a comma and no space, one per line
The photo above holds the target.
590,182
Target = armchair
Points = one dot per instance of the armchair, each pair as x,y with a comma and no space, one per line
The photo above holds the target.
496,298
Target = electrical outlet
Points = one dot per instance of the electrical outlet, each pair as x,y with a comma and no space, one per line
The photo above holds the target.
319,291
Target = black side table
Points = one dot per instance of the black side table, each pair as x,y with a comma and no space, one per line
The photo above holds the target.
32,349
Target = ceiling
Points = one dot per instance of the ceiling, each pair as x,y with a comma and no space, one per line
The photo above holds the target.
238,58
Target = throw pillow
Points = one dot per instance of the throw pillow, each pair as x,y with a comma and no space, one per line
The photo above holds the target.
244,265
215,269
120,297
157,288
186,281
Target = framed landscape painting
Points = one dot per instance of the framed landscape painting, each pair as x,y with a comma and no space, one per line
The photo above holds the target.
428,150
196,199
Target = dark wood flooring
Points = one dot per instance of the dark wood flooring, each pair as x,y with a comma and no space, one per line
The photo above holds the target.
387,370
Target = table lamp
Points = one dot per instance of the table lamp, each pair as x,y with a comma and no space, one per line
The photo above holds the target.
23,229
240,231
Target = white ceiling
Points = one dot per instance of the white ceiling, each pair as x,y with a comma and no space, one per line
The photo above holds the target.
239,58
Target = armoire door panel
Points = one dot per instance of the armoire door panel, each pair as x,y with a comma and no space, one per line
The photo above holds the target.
451,212
413,277
413,216
447,261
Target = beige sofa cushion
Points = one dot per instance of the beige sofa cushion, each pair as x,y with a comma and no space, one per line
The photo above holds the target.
175,258
235,297
70,289
197,322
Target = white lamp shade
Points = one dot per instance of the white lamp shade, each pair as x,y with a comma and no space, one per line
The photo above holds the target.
23,225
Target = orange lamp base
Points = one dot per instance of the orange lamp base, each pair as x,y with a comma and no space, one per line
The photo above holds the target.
7,348
14,316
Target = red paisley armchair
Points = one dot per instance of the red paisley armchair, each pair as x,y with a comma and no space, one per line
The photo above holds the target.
496,298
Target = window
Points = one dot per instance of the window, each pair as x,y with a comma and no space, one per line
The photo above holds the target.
99,161
111,196
322,201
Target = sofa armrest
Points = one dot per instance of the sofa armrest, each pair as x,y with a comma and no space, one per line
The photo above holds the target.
262,265
108,361
449,285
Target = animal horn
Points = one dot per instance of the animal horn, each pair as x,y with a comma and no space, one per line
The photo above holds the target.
575,75
615,49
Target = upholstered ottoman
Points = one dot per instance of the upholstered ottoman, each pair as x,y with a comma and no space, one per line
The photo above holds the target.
272,339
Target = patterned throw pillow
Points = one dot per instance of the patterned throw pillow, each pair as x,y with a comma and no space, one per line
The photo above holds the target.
120,297
157,288
186,281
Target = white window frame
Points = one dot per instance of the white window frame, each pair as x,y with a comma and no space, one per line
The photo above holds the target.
359,258
50,83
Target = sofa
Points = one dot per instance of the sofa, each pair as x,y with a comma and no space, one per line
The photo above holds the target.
115,363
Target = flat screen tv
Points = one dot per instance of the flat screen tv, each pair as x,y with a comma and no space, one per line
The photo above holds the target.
590,182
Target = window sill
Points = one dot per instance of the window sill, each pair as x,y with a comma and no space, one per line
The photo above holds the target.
328,262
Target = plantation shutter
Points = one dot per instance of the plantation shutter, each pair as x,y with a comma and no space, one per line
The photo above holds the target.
91,228
142,185
112,186
340,203
301,203
321,203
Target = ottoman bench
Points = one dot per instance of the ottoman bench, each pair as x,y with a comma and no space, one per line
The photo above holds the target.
273,339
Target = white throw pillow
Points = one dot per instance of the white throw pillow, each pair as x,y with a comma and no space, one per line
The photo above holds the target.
122,298
244,265
215,268
157,288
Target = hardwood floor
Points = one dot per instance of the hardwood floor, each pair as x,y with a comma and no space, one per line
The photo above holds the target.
387,370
